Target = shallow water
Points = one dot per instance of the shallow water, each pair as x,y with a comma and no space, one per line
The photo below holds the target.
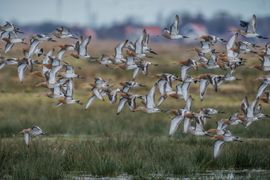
215,174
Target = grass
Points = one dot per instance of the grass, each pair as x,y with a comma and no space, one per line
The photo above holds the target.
99,142
140,156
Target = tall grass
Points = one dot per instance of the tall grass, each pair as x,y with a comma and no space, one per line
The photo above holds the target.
55,157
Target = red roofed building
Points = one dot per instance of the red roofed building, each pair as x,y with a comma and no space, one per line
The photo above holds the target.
134,32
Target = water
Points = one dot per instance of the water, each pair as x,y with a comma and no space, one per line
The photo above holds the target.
209,175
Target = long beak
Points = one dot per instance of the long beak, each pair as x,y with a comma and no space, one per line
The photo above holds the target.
52,40
142,85
153,52
266,115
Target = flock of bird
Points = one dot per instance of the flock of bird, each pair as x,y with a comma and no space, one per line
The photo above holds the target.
58,76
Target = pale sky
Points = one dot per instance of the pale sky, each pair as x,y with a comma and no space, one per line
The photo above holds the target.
106,12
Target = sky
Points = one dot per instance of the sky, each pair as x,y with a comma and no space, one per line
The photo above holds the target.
106,12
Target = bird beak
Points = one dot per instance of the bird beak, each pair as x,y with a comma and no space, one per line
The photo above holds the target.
266,115
153,52
142,85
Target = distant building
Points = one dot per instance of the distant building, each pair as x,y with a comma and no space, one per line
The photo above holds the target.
88,32
133,33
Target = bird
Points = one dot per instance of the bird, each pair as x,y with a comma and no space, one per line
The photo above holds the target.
211,39
250,28
173,31
177,119
10,41
31,132
221,139
126,86
22,66
252,111
264,84
63,33
182,89
69,99
198,130
118,52
63,50
203,82
81,48
165,90
7,61
185,66
149,102
105,60
130,99
43,37
221,128
34,43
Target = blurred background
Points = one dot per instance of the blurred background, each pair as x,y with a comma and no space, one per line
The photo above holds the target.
120,19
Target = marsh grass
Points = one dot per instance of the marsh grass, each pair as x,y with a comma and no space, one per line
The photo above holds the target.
53,158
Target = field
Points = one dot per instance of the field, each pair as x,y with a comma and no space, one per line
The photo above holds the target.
100,143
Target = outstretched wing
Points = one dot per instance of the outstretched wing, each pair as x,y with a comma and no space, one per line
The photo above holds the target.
26,138
90,101
252,25
174,28
217,147
175,123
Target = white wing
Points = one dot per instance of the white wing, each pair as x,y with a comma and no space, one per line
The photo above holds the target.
36,131
21,70
135,72
90,101
174,28
266,61
139,46
118,49
217,147
244,105
121,104
97,93
27,138
8,46
231,42
33,47
188,103
175,123
184,90
261,89
83,46
186,125
150,98
184,70
203,85
252,25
